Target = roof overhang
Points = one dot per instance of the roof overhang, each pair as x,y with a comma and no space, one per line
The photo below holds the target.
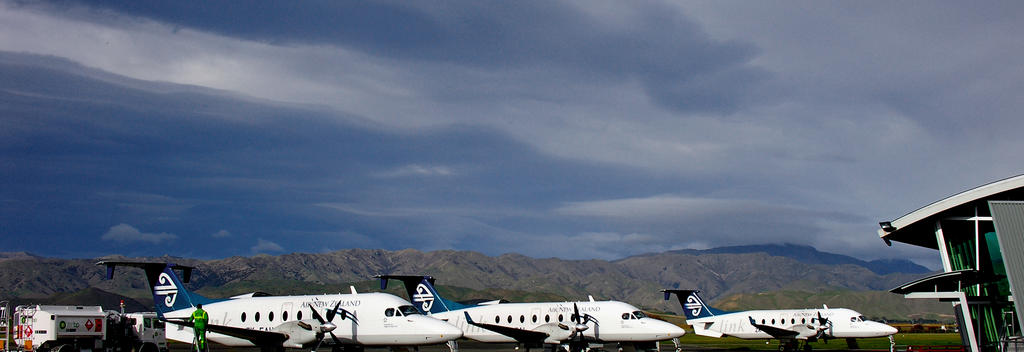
951,281
918,227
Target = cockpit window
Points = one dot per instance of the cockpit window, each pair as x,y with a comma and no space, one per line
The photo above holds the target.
390,312
626,316
639,314
408,310
861,318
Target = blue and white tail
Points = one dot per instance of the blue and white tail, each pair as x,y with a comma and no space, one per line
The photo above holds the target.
693,306
169,292
420,289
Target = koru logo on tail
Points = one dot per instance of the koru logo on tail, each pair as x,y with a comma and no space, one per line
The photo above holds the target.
424,297
166,288
694,304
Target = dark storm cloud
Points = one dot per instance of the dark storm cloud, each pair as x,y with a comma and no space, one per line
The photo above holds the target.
614,127
680,66
165,166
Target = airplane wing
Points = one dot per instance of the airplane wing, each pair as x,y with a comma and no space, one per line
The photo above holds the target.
257,337
524,336
778,333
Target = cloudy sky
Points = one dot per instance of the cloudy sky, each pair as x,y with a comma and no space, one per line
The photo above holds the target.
590,129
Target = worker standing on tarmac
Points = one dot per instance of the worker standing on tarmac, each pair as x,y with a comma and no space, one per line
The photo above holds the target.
199,319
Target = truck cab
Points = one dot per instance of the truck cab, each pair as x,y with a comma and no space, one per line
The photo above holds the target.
150,334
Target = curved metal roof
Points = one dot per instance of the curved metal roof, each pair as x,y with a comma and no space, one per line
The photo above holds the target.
918,227
951,281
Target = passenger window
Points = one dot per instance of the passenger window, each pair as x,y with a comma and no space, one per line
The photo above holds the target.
792,321
257,317
560,318
803,320
773,321
243,317
522,319
762,321
547,318
510,319
496,319
270,316
534,318
298,315
284,316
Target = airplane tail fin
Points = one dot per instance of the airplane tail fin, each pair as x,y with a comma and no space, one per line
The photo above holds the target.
420,289
693,306
169,292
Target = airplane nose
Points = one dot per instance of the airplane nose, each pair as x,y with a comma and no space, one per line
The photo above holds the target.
889,330
448,331
665,329
674,331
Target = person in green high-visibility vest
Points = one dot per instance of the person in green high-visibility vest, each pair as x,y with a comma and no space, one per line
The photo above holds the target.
199,319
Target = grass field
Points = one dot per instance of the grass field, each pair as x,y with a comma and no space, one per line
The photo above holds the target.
693,341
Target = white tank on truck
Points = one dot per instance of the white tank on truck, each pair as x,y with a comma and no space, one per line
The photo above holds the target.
46,328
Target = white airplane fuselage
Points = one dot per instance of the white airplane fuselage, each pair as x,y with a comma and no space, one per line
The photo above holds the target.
374,326
616,321
843,323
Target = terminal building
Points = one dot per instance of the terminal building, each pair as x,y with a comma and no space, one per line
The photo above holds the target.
979,235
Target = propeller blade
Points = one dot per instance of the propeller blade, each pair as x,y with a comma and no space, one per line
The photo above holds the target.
331,313
317,315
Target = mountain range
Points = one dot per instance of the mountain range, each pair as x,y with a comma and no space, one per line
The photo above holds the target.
720,273
809,255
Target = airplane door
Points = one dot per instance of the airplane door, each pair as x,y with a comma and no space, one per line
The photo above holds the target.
535,317
286,311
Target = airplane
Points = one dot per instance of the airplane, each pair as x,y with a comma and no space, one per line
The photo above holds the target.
786,325
569,325
346,322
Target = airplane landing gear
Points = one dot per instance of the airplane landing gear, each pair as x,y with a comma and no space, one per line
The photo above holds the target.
792,345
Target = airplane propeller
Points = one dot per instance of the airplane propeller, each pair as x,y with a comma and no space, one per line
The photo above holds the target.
580,321
577,342
327,326
823,325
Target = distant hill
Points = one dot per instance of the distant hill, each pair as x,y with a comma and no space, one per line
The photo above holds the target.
88,297
810,255
465,275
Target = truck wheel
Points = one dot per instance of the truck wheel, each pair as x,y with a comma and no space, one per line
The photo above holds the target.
66,348
147,347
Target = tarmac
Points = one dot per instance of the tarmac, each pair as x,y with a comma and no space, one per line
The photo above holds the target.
472,346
